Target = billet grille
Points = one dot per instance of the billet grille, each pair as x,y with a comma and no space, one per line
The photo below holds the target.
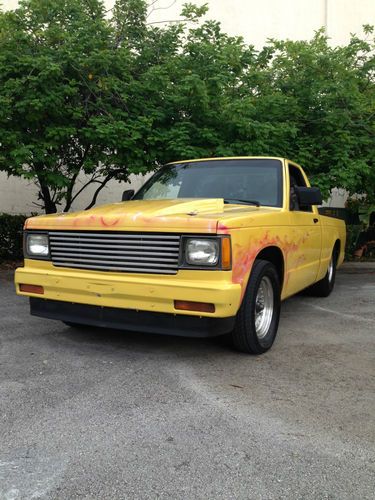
117,252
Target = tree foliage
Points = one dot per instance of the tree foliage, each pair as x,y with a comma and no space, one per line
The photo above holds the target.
107,94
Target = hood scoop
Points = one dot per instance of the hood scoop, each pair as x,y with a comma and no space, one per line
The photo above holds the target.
192,207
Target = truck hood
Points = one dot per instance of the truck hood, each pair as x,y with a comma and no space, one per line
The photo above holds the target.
207,215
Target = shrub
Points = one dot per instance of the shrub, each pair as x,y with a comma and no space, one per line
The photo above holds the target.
352,234
11,236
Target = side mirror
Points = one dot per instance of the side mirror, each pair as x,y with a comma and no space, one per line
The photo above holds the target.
308,196
128,194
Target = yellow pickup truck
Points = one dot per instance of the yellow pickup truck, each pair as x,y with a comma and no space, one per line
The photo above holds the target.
206,247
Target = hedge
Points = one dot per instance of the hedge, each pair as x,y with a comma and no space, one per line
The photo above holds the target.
11,236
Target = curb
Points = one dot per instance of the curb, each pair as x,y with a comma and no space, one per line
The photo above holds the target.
357,268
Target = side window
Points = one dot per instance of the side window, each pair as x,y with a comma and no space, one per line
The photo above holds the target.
296,179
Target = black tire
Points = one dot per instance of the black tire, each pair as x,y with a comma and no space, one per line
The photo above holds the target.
324,287
245,336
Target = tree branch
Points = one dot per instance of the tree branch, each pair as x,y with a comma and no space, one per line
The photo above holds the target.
93,180
168,21
102,185
69,192
152,9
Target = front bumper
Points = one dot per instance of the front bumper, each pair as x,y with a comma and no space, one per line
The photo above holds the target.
137,292
126,319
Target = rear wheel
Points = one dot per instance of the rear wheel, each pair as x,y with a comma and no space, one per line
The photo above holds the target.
258,318
325,286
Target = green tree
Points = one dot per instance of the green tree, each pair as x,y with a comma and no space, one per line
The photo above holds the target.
76,95
331,106
108,94
304,100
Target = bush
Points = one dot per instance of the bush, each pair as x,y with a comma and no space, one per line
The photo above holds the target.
11,236
352,234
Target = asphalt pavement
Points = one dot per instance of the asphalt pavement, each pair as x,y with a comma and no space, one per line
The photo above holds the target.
98,414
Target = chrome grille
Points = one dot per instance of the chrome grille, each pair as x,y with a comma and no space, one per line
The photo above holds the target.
112,251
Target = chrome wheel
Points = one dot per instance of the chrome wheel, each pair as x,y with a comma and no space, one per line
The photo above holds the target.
263,307
258,317
330,270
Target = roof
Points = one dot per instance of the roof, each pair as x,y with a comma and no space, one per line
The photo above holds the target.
229,158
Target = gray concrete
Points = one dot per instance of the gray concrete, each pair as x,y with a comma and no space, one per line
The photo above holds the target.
99,414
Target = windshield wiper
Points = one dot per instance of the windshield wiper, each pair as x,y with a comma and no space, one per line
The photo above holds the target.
241,202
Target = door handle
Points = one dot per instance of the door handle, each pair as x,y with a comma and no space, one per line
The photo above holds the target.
315,220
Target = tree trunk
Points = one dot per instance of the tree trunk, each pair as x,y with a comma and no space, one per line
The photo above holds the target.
44,193
49,204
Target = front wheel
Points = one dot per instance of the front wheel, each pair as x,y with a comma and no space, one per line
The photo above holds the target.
258,317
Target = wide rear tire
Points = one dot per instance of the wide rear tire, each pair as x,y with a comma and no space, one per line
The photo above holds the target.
258,317
324,287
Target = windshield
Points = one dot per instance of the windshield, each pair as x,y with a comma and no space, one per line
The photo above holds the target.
258,181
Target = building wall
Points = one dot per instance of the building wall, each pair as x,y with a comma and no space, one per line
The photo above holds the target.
256,21
20,196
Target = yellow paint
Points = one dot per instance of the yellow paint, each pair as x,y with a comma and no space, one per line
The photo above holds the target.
133,291
306,248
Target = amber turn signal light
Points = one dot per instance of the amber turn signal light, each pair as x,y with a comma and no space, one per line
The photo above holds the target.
187,305
226,253
31,288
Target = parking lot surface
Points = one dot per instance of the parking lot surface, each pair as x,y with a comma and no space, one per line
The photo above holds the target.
107,414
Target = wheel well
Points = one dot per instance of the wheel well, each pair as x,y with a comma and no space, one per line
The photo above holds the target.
337,249
275,256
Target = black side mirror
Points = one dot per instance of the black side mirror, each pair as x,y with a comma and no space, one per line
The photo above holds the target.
128,194
308,196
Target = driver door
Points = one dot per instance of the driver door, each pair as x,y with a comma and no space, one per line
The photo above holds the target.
304,261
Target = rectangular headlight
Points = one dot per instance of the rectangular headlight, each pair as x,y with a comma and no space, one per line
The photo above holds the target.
37,245
202,252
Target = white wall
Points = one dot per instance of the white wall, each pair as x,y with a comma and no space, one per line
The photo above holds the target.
20,196
256,21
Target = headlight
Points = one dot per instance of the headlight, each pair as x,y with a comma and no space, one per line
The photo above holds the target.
202,252
37,245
